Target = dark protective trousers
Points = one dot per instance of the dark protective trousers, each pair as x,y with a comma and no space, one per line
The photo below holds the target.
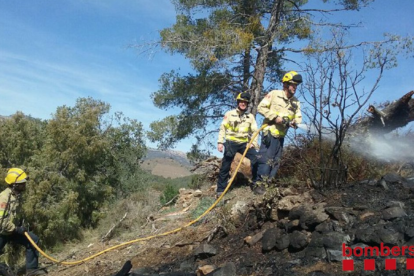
269,157
230,150
32,255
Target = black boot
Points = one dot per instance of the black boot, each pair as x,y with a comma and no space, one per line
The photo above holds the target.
259,190
36,271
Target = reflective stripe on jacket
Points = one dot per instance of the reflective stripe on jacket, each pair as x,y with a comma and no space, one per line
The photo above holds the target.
238,127
8,210
275,103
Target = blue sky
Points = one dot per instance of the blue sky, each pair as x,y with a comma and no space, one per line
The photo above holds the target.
53,52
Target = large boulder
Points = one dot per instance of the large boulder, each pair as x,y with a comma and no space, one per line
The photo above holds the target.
309,216
244,170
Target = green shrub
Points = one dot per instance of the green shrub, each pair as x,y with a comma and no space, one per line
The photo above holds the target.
197,181
170,192
78,161
158,182
204,204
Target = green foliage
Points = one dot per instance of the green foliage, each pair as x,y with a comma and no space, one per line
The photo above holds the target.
158,183
204,204
79,161
126,148
168,186
21,137
169,131
197,181
169,194
202,98
208,39
353,4
197,155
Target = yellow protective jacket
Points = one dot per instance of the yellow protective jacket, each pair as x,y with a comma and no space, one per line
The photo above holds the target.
238,127
8,210
275,103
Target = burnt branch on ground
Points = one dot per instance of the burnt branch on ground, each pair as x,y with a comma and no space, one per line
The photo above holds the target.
381,121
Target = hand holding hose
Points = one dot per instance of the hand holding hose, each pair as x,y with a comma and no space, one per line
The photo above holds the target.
279,120
293,124
20,230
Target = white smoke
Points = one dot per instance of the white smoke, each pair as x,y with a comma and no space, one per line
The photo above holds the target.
388,148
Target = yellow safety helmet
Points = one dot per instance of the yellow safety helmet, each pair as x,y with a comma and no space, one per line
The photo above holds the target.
292,77
244,96
16,175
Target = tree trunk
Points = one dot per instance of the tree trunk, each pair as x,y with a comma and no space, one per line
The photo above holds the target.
263,53
257,86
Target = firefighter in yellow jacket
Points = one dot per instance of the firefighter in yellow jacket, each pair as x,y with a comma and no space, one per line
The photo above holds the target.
10,229
235,131
281,110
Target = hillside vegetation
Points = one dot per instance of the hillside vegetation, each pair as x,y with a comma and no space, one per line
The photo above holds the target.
89,184
79,162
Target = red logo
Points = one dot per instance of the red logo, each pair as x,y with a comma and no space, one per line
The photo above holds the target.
377,251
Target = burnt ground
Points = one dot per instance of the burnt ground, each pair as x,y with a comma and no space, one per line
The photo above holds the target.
359,211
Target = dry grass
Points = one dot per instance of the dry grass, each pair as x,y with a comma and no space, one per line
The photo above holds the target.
329,268
304,162
139,207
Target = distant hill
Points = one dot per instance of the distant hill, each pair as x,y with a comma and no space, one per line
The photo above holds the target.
168,163
179,156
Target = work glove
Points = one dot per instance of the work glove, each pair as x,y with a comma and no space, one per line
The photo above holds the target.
20,230
266,139
228,150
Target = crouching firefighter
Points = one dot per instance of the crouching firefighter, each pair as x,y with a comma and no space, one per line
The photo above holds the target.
236,129
10,229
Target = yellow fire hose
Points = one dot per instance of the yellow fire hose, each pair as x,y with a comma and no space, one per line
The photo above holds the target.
158,235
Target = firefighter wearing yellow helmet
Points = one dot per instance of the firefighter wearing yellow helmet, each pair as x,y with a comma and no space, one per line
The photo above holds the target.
235,131
10,228
281,110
